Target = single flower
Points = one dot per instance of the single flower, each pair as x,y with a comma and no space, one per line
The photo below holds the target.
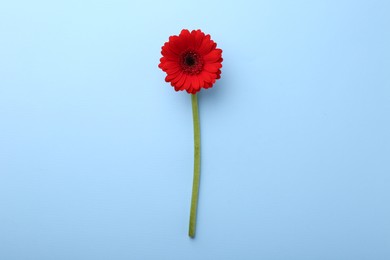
191,60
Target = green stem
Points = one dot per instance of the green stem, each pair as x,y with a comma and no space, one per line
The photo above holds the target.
195,184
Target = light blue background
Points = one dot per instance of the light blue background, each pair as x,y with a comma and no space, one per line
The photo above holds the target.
96,150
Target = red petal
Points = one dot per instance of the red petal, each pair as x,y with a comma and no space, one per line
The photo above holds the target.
172,76
185,37
205,76
212,67
213,56
218,74
187,82
201,81
198,38
177,45
169,53
181,82
169,65
206,45
173,70
177,79
195,82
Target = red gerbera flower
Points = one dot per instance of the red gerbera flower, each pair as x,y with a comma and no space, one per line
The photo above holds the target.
191,61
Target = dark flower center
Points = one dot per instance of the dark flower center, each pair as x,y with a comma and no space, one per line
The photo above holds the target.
191,62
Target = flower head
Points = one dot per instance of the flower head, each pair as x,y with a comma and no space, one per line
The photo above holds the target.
191,61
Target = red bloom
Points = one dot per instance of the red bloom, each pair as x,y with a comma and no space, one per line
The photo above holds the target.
191,61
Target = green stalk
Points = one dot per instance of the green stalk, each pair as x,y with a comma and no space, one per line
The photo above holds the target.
195,184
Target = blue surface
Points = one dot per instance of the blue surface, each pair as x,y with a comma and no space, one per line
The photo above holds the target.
96,150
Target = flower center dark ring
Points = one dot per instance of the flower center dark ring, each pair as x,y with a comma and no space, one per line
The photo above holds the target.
191,62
